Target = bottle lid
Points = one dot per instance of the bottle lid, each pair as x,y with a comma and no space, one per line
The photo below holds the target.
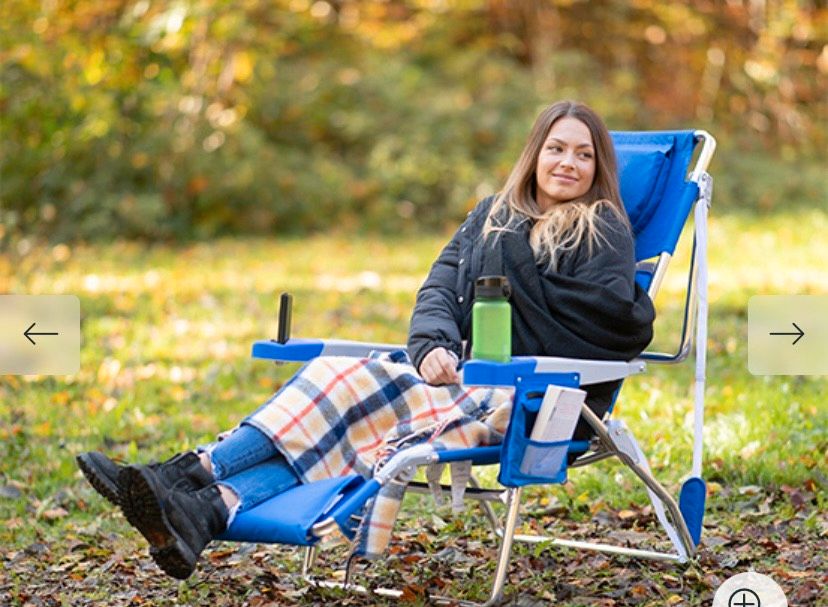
492,286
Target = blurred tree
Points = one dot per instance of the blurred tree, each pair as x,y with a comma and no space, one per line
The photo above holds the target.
191,118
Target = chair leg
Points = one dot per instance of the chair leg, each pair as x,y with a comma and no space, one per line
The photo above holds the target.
505,552
308,558
684,538
507,537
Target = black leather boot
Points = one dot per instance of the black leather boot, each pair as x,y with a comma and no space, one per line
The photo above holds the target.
183,471
177,524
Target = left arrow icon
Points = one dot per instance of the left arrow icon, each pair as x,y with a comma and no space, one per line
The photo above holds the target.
28,333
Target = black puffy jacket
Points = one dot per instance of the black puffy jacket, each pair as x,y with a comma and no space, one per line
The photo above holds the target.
442,314
590,307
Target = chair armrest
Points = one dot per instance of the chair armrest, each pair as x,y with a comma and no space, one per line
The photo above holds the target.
302,350
487,373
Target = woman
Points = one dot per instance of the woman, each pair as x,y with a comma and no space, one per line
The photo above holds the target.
557,231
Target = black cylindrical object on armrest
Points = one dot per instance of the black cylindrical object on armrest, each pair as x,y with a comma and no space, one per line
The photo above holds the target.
285,309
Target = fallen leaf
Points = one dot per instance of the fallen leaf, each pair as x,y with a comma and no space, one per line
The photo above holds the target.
54,513
713,487
10,492
750,490
218,555
638,590
411,593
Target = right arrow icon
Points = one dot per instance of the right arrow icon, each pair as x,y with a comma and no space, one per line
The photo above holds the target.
799,333
769,316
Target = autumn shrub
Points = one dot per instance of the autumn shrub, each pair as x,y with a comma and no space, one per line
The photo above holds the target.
198,119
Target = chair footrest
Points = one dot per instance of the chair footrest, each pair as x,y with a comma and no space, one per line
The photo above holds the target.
288,517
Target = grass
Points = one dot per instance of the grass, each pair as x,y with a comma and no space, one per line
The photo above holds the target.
165,365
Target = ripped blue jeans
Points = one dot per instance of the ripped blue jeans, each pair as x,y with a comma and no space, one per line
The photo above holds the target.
248,463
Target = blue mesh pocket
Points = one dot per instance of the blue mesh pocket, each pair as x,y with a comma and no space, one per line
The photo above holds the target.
528,462
544,460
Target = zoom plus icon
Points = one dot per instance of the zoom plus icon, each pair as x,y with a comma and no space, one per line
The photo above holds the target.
750,589
744,597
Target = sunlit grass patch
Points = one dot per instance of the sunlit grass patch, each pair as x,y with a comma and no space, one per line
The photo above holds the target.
167,334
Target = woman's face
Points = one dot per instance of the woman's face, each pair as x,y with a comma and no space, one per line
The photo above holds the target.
566,164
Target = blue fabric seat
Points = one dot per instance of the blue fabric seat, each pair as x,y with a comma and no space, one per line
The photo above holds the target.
287,518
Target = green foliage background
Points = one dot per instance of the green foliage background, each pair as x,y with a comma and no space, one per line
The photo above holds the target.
193,118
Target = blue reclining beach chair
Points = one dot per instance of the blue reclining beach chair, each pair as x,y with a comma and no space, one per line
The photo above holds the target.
659,189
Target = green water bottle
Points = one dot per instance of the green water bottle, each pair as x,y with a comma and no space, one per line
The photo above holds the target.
492,319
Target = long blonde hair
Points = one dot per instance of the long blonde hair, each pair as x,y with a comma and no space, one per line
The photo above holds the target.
563,227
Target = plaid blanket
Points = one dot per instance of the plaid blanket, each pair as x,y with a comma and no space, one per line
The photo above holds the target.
343,415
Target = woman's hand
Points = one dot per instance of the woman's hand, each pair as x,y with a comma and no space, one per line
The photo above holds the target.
439,367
